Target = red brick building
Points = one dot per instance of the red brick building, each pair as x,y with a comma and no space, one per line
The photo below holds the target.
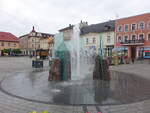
134,33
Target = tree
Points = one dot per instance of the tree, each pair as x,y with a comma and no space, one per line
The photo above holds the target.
16,51
6,50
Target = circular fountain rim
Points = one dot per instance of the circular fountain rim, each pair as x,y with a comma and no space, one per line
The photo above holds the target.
64,104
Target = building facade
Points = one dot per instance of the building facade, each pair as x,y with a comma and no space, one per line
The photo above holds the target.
8,41
99,38
134,33
68,34
35,41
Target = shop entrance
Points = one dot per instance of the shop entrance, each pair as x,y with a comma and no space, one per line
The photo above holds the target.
133,52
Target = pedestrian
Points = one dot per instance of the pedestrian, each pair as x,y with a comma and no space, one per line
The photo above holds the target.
132,60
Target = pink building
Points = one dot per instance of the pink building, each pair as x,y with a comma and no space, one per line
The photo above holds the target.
134,33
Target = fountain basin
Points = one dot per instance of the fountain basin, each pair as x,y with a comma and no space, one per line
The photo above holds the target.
33,86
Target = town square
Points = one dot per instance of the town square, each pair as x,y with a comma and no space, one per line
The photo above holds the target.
74,56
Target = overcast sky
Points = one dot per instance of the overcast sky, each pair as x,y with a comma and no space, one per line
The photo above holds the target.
18,16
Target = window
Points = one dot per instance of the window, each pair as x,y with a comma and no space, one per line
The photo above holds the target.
119,39
14,45
148,36
119,28
108,39
133,37
141,25
125,38
32,46
87,41
94,40
8,44
32,40
2,44
148,25
133,27
126,27
141,37
39,46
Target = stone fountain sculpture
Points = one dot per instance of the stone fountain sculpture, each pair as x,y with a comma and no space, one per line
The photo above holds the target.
101,69
60,68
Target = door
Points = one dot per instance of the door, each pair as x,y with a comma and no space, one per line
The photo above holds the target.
133,52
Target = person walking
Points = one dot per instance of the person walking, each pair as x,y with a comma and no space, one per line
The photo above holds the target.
132,60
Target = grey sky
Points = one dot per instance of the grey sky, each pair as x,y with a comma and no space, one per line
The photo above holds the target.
18,16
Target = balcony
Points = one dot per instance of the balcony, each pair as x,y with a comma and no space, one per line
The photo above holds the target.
133,42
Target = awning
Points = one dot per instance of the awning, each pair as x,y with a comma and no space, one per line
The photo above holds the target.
145,48
120,49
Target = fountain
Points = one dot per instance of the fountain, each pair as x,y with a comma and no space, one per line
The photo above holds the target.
68,63
76,77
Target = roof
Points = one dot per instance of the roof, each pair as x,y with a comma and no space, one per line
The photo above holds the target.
43,35
46,35
134,16
23,35
37,34
98,28
67,28
6,36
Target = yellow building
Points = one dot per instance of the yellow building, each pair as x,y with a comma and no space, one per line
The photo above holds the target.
8,41
33,41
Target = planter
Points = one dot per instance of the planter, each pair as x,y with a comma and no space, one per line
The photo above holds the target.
37,63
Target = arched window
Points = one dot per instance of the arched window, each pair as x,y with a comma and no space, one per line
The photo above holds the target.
125,38
119,38
133,37
148,36
148,25
141,37
141,25
133,27
120,28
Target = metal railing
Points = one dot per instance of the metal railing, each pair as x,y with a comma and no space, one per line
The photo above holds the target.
133,41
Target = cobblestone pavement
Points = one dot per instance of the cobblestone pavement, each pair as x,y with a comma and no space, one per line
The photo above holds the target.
9,104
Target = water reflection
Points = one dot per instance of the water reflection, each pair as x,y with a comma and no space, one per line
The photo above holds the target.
122,88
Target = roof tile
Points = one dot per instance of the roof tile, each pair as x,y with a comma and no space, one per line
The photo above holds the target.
6,36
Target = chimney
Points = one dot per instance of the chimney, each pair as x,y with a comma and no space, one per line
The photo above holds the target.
33,29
